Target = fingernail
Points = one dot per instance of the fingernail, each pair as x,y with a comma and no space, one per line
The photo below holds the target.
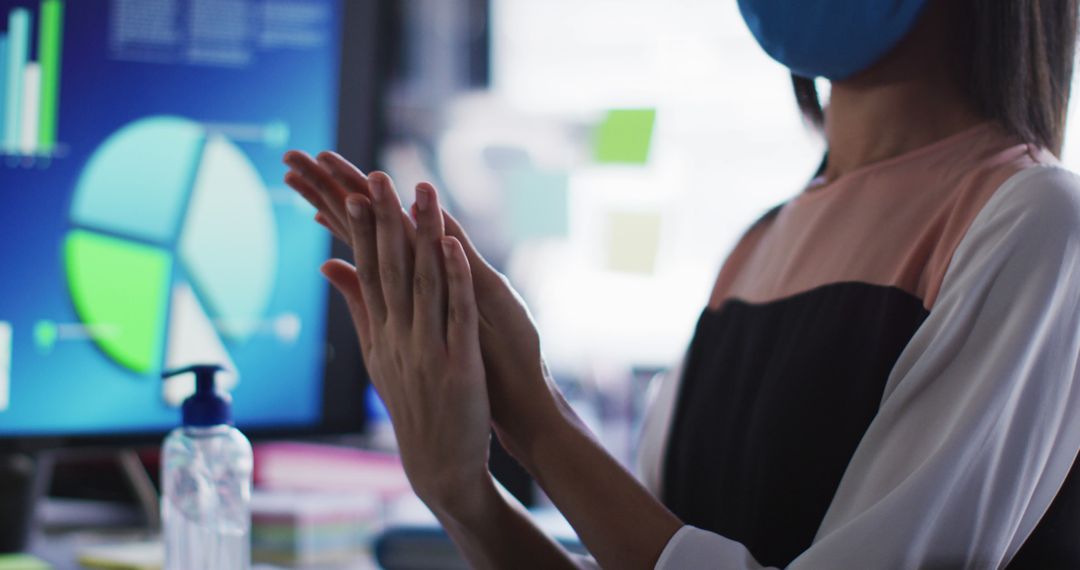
447,249
423,198
354,207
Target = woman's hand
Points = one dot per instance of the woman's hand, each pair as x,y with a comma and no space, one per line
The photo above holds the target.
524,399
431,375
523,396
415,315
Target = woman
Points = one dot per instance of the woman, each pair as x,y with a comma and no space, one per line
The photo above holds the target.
885,377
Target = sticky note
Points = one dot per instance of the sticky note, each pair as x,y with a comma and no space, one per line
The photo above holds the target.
537,204
22,562
633,241
624,136
124,556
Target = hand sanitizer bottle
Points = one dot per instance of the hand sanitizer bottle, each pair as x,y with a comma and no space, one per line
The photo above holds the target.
206,468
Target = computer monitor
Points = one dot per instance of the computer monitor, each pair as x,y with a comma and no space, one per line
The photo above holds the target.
144,220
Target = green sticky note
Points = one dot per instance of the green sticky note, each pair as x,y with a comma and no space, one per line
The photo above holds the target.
22,562
538,204
633,241
624,136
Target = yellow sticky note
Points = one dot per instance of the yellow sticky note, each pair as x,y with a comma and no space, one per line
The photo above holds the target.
633,241
125,556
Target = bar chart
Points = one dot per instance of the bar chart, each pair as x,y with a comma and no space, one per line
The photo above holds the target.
30,80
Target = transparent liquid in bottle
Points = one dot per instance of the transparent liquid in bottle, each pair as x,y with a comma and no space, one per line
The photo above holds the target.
206,498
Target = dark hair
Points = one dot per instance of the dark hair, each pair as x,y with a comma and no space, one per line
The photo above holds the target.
1017,66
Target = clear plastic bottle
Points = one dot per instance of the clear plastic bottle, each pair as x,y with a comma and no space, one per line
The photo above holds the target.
206,469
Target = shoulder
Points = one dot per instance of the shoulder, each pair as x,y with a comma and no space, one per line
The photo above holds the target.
738,257
1030,196
1047,196
1027,236
1038,204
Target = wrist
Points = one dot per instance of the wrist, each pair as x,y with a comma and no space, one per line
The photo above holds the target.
521,406
550,429
466,505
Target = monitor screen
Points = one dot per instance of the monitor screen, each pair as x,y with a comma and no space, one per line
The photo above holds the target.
145,225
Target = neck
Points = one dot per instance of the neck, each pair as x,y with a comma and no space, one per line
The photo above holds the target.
906,101
868,123
871,123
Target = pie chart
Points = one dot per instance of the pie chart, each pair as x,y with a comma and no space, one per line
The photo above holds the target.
172,250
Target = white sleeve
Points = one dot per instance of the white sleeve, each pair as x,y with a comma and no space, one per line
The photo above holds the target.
660,406
977,427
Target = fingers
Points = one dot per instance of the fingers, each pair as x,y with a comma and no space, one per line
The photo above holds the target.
429,291
462,332
325,222
343,234
307,190
395,257
346,173
410,228
327,190
343,277
365,252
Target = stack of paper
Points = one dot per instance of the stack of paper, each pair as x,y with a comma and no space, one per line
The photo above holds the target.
314,467
312,528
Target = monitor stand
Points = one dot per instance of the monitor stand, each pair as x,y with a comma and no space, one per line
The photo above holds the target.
24,484
24,478
142,487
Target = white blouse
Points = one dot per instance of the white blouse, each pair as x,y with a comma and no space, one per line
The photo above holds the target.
978,425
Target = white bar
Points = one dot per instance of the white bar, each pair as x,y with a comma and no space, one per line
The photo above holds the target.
5,365
31,103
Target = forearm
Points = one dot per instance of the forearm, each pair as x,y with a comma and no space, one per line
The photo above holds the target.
492,532
621,524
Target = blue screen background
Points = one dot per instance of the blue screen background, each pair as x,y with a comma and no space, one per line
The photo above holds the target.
74,388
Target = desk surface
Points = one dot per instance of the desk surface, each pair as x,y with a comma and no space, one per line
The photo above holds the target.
62,549
60,542
68,527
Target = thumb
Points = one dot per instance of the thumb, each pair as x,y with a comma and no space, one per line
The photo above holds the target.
342,275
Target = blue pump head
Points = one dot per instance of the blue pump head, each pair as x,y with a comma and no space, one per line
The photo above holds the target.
206,407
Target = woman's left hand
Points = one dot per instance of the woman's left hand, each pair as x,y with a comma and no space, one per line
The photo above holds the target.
417,321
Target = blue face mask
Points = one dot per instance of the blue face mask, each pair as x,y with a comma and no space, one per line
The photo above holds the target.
829,38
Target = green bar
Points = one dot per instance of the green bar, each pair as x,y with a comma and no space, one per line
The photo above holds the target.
3,88
18,48
50,35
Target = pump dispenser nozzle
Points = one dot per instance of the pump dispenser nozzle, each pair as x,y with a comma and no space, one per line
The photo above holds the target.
206,407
